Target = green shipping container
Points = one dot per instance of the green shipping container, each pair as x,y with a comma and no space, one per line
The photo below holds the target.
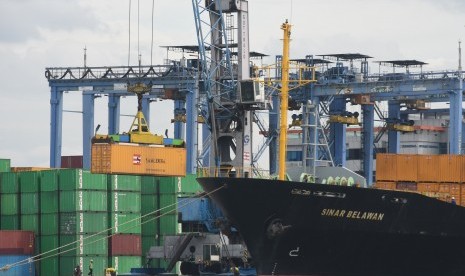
29,182
83,222
8,183
29,203
48,243
189,185
150,226
77,245
149,185
78,179
67,264
9,222
83,200
124,202
5,165
147,242
149,203
49,266
169,224
123,264
49,202
49,181
125,223
30,223
169,184
9,204
49,224
124,183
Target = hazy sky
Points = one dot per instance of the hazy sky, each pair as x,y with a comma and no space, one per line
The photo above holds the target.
35,34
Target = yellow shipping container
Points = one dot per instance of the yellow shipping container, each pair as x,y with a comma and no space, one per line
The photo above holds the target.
428,187
138,159
407,167
385,185
386,167
428,168
449,168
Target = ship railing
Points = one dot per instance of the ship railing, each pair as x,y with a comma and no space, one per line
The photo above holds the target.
247,172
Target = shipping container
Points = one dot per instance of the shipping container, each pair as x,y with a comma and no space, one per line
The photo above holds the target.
16,243
124,201
9,183
124,183
49,243
449,168
428,168
49,202
386,167
68,263
125,245
83,222
83,200
29,182
428,187
28,169
49,181
147,242
30,223
29,203
82,244
49,224
9,204
9,222
125,223
407,167
150,203
5,165
28,269
189,185
123,264
406,186
169,224
385,185
138,159
77,179
49,266
150,225
72,162
150,185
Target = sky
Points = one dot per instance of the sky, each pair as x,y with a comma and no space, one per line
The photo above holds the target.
35,34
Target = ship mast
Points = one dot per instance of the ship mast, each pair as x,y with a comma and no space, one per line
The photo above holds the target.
286,27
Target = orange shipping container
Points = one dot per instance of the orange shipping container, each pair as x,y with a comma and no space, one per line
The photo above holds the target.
428,168
137,159
428,187
407,167
449,168
386,167
385,185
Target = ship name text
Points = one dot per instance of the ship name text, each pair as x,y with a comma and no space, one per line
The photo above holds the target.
352,214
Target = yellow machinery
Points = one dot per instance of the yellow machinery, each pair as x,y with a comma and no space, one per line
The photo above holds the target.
401,127
139,131
343,120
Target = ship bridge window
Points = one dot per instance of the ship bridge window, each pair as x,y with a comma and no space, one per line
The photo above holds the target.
211,252
294,156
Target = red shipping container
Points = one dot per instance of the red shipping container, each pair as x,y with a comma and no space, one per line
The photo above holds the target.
72,161
125,245
16,242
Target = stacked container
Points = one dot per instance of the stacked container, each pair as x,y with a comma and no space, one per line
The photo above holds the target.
5,165
159,211
124,209
29,198
9,205
16,247
83,219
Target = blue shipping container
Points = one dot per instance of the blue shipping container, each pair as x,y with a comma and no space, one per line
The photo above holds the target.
27,269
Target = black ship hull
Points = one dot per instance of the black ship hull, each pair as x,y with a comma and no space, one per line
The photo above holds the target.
293,228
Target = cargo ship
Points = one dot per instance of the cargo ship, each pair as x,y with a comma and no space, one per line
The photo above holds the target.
314,227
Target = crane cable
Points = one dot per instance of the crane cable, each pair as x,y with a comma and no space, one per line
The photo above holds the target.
38,257
129,45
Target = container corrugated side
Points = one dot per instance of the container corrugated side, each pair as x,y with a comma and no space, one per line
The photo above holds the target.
78,179
9,183
49,242
49,181
120,182
450,168
10,222
16,243
49,224
83,244
123,264
125,245
9,204
407,167
386,167
169,224
83,200
49,202
28,269
125,223
124,201
449,190
385,185
29,203
150,185
30,223
428,168
72,161
189,184
428,187
29,182
139,160
49,266
83,222
5,165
